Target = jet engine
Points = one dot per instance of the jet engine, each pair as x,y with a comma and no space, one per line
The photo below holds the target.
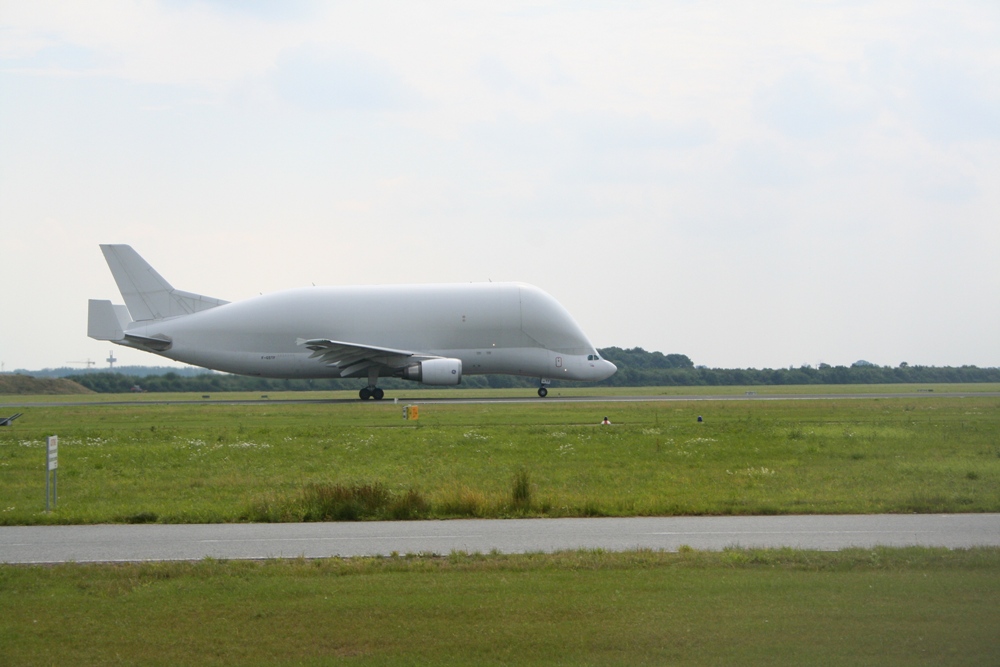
435,371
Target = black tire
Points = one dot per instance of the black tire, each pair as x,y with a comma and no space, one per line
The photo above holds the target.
365,394
378,394
543,392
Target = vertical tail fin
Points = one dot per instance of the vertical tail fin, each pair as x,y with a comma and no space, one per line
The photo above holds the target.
147,295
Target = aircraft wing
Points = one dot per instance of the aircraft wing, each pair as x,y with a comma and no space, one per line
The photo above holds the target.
352,359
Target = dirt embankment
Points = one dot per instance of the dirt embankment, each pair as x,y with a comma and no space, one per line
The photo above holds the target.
25,384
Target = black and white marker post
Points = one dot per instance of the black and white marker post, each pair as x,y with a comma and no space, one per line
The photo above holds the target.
51,469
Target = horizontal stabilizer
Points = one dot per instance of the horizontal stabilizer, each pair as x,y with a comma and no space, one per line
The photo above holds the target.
147,295
106,321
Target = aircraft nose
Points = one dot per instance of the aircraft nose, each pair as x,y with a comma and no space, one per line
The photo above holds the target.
607,369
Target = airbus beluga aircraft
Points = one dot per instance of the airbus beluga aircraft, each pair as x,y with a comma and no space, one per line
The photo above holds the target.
431,334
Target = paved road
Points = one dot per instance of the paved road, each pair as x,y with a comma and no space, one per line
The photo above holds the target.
52,544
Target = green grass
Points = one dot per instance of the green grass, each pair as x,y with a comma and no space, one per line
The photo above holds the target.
149,462
219,463
885,606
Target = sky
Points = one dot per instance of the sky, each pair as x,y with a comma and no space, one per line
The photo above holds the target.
764,184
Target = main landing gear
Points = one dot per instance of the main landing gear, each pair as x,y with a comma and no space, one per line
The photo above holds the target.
371,392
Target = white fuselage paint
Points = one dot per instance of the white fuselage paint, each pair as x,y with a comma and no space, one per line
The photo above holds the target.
510,328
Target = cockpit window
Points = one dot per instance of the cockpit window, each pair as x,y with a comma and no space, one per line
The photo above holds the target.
593,357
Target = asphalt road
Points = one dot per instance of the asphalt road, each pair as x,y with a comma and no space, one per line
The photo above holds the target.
105,543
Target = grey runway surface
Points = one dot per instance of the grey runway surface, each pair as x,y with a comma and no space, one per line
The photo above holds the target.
553,397
108,543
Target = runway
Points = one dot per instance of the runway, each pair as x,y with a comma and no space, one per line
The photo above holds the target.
113,543
416,399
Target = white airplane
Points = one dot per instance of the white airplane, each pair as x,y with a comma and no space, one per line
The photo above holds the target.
427,333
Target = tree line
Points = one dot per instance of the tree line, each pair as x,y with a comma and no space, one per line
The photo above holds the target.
636,368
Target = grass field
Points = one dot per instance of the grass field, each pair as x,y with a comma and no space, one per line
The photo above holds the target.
880,607
218,463
144,461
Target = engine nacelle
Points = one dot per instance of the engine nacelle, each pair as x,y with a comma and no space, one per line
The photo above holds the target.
435,371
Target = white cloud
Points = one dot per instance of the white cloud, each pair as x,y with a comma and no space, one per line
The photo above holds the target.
344,81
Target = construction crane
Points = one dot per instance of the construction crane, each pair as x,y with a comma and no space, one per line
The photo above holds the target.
88,363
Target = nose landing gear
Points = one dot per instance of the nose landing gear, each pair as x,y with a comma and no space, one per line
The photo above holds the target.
543,390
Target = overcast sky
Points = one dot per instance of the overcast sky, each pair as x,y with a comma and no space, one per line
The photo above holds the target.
751,184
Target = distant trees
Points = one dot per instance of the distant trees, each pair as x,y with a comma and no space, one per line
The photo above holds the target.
639,359
632,372
636,368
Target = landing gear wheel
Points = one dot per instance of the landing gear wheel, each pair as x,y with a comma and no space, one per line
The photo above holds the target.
543,392
365,394
377,394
